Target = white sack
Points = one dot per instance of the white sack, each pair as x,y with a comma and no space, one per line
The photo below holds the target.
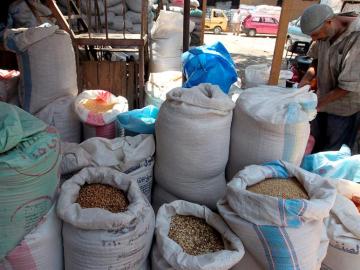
61,114
343,228
47,65
95,238
135,5
167,254
270,123
256,75
74,158
193,135
41,249
279,233
159,84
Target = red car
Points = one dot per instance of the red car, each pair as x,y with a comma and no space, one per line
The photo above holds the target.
260,24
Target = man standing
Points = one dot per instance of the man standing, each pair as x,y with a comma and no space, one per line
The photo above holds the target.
336,66
236,22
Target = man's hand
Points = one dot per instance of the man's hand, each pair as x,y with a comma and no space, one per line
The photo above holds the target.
309,75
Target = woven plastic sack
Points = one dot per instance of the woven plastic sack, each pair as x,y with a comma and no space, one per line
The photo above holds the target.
41,249
270,123
43,52
140,121
204,64
256,75
29,173
61,115
281,234
95,238
334,164
168,255
343,229
8,84
193,135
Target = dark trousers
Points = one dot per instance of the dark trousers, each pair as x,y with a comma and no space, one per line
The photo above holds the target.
332,131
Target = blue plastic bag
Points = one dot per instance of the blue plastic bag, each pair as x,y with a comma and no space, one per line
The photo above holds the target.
209,64
334,164
140,121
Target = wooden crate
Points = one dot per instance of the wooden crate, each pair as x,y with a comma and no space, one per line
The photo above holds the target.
120,78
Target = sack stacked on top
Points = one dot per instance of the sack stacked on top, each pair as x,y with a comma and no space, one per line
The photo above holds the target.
41,249
343,229
168,254
166,42
129,155
43,52
193,133
270,123
96,238
279,233
29,173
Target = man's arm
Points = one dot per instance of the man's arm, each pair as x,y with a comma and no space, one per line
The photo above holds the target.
332,96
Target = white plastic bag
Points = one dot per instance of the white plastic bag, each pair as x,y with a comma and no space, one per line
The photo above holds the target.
270,123
167,254
95,238
41,249
343,228
193,134
279,233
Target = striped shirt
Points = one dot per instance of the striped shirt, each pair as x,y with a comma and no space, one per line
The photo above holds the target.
339,66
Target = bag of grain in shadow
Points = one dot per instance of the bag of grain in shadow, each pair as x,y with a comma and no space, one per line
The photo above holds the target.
160,197
270,123
192,237
343,228
193,135
280,221
108,223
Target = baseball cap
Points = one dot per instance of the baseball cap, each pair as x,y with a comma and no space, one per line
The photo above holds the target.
314,17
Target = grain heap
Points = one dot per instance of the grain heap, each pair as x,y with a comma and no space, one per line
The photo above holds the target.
282,188
102,196
194,235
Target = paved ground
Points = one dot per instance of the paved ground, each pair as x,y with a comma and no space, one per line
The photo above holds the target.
246,50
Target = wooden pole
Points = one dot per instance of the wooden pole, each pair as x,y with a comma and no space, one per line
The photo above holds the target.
186,25
285,16
204,6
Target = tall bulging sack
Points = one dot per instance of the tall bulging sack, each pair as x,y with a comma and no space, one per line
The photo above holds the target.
43,52
168,255
281,234
29,173
343,229
270,123
193,135
95,238
204,64
41,249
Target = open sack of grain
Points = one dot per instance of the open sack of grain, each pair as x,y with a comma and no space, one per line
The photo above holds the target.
41,249
108,223
280,222
98,109
270,123
43,52
129,155
343,228
192,237
29,173
193,134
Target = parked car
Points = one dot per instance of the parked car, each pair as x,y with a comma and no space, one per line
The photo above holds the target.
216,20
295,34
255,24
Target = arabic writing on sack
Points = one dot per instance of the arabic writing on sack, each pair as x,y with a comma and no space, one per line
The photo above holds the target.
341,247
